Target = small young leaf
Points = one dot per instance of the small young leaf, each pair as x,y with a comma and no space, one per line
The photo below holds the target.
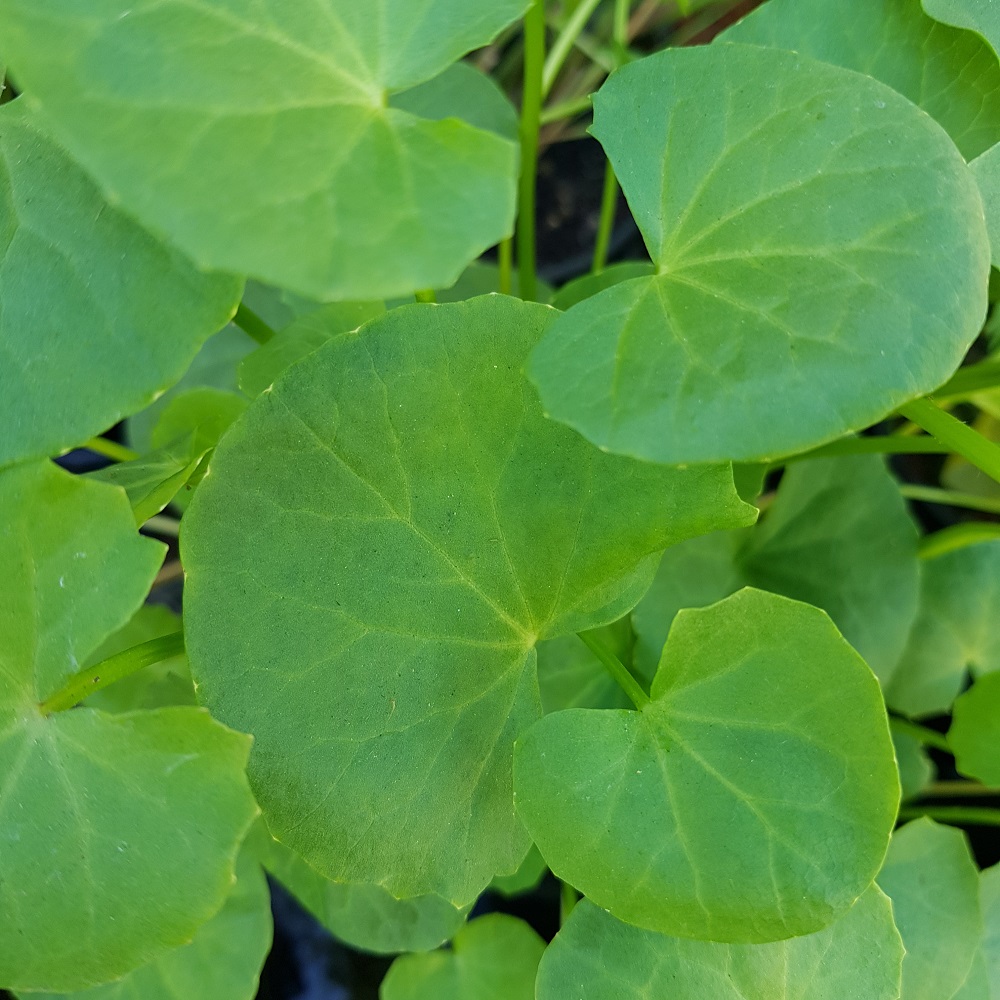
957,628
915,768
378,545
975,731
493,958
526,878
590,284
119,832
98,316
221,962
782,208
953,75
203,415
571,676
364,916
751,800
838,536
595,957
264,144
932,881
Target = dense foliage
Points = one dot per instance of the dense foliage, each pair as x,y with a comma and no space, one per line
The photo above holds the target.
476,586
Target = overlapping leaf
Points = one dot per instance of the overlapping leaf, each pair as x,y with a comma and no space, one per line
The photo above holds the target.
98,317
975,731
751,800
493,958
378,545
957,629
932,881
118,833
953,75
821,256
977,15
838,536
264,143
595,957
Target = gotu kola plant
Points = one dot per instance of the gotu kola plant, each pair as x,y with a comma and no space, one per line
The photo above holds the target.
478,586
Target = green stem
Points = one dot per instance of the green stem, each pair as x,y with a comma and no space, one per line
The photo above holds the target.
111,449
566,109
93,679
949,498
425,295
163,525
958,536
971,379
956,815
959,437
617,669
609,203
251,324
531,109
564,42
505,263
929,737
568,898
886,444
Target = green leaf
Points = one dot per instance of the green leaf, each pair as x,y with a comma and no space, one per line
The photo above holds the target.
264,143
915,768
975,731
751,800
363,916
98,316
838,536
932,881
952,75
203,415
260,369
119,831
980,16
986,170
570,676
222,961
977,982
493,958
479,278
463,92
526,878
590,284
989,898
420,525
781,209
595,957
957,628
164,683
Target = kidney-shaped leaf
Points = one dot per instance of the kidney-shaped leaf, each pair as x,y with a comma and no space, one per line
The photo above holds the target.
595,957
263,144
953,75
98,317
821,252
932,881
118,833
751,800
376,548
493,958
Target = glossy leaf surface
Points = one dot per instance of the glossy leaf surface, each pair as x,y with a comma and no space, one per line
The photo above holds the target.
595,957
782,208
264,143
953,75
118,833
957,629
932,881
838,535
414,526
493,958
766,729
98,316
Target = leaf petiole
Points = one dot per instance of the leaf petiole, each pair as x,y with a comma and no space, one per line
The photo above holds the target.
956,815
617,669
252,325
959,437
92,679
929,737
111,449
949,498
531,109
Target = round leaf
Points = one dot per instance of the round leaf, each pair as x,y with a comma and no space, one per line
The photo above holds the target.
751,800
98,317
930,877
264,143
821,258
494,958
380,541
595,957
